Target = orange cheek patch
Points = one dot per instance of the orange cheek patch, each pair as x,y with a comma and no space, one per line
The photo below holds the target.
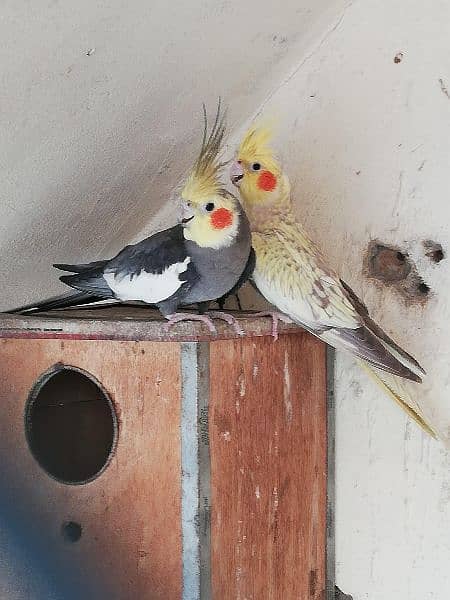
221,218
267,181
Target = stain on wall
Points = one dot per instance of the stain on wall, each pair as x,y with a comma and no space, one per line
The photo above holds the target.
433,250
391,266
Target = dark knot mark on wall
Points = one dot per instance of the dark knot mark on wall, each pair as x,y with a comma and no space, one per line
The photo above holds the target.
393,267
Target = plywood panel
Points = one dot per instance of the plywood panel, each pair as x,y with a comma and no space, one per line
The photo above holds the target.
130,515
268,470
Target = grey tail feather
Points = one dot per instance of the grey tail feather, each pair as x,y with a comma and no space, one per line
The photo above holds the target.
365,345
394,349
80,268
62,301
388,359
91,281
402,356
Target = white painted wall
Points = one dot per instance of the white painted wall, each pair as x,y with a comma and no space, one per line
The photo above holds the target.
92,146
347,108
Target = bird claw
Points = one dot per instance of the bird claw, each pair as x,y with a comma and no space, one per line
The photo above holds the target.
177,317
275,316
232,321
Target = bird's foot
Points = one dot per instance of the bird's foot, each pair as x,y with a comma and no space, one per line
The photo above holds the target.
232,321
177,317
275,316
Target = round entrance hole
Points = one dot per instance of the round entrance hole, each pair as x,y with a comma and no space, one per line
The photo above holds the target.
70,425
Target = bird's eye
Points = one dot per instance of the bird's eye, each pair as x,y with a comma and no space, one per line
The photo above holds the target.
256,166
210,206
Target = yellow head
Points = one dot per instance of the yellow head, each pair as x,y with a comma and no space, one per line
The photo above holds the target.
210,213
256,171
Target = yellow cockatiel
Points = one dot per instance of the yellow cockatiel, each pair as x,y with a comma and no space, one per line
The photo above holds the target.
292,274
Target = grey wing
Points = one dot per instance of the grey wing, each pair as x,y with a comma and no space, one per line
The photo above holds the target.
150,271
154,270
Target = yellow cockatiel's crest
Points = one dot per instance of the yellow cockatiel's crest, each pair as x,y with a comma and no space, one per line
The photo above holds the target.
255,147
203,181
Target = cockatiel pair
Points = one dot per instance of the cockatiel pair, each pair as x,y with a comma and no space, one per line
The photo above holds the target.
209,255
292,274
204,258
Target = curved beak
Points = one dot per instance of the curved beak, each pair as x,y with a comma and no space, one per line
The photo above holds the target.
236,173
187,214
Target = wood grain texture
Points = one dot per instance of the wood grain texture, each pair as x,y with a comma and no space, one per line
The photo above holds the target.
268,452
130,514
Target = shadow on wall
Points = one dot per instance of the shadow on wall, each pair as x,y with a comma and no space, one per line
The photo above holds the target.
33,562
30,565
338,595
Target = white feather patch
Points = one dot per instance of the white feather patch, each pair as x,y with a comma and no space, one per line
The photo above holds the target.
148,287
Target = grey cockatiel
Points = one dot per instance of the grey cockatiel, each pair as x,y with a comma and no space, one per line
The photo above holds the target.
202,259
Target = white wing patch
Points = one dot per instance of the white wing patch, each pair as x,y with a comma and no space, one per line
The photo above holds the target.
148,287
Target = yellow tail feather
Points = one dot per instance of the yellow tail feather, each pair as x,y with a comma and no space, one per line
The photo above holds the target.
399,395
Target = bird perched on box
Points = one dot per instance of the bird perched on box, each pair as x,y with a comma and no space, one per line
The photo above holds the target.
292,274
199,260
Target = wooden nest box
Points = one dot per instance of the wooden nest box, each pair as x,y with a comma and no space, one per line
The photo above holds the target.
170,466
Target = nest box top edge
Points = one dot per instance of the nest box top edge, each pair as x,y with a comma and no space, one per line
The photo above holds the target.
135,324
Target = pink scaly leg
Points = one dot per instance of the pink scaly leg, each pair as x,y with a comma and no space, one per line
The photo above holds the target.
177,317
275,316
232,321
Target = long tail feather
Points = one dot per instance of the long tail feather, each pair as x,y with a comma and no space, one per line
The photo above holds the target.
394,388
402,357
394,349
62,301
367,346
80,268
